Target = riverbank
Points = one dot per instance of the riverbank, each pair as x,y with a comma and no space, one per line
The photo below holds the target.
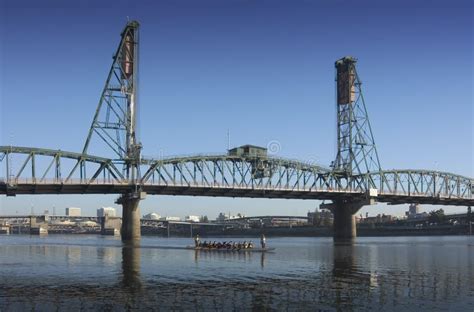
312,231
295,231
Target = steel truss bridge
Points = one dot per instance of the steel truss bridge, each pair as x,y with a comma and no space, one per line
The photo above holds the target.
354,179
227,176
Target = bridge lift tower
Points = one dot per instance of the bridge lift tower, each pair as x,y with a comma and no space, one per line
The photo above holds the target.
115,122
356,149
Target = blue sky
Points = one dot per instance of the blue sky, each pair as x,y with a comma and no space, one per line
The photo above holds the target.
262,69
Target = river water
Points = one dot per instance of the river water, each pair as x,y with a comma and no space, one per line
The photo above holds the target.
75,272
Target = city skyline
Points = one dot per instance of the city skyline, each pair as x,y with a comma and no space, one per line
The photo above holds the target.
267,68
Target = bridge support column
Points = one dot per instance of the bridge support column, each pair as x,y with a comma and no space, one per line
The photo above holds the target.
344,222
344,227
130,230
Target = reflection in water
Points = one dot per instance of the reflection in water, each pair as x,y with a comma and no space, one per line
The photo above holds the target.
343,260
302,274
229,255
107,256
222,255
131,267
347,282
73,255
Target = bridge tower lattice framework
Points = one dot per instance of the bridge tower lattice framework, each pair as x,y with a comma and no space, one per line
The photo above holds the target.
115,123
356,150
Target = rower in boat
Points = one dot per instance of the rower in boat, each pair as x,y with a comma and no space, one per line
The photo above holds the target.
229,245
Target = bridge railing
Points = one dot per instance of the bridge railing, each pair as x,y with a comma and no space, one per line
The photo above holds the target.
28,181
422,183
38,166
393,191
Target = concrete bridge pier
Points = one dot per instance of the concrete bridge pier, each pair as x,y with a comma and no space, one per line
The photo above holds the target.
130,230
344,210
344,222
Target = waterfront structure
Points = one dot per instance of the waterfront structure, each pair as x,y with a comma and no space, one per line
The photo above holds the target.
73,212
62,222
170,219
192,218
321,217
4,229
221,217
414,209
106,211
265,221
152,216
379,218
353,180
414,212
224,217
88,223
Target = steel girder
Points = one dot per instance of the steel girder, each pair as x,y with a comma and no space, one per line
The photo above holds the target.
239,172
223,175
421,184
48,166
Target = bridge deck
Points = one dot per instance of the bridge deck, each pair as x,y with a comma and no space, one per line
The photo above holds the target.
224,191
41,171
